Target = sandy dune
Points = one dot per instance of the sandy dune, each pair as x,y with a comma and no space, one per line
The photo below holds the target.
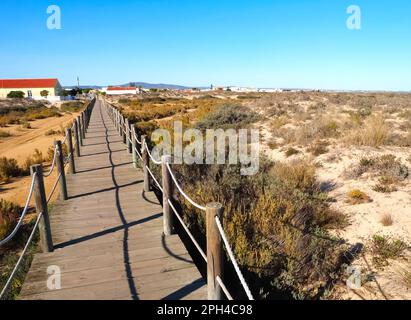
21,145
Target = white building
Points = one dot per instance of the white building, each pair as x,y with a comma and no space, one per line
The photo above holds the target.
122,90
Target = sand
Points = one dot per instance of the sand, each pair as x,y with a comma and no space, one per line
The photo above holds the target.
21,145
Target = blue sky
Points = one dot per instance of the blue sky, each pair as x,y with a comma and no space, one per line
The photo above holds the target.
264,43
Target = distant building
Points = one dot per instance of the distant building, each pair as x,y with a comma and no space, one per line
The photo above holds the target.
32,88
121,90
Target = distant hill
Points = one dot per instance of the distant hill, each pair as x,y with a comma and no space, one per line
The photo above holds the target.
146,85
83,87
143,85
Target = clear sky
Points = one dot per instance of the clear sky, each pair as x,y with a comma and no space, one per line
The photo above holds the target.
259,43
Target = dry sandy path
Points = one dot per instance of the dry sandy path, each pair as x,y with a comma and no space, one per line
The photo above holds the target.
21,145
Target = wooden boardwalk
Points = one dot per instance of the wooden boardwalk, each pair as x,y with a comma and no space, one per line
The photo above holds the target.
108,236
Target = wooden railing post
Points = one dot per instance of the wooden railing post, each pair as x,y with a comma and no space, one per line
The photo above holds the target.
116,120
123,130
77,138
80,130
86,119
168,217
83,125
214,251
46,240
119,123
146,164
134,146
128,136
60,170
71,150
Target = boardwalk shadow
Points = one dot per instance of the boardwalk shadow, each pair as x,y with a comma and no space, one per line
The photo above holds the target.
107,167
125,224
105,190
106,232
185,291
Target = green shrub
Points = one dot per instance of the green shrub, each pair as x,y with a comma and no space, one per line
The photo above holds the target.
291,152
9,169
318,148
16,95
5,134
35,158
229,116
277,222
9,214
385,248
357,197
72,107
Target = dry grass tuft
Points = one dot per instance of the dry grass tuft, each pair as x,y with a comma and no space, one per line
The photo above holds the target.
375,133
386,220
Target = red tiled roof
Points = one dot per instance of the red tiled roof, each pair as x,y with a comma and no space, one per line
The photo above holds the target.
120,88
27,83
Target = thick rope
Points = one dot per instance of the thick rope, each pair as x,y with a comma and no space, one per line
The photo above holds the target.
224,288
53,164
151,156
65,139
188,231
13,273
154,178
138,153
233,259
54,189
138,141
23,215
181,190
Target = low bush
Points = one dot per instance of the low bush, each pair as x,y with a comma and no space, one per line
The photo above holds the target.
291,152
229,116
376,132
277,221
387,166
35,158
9,169
386,184
5,134
9,214
72,107
15,95
318,148
384,248
357,197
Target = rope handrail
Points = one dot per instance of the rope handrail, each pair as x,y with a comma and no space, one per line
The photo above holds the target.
138,153
155,180
54,188
138,141
23,215
151,156
13,273
53,164
224,288
188,231
65,139
233,259
181,190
